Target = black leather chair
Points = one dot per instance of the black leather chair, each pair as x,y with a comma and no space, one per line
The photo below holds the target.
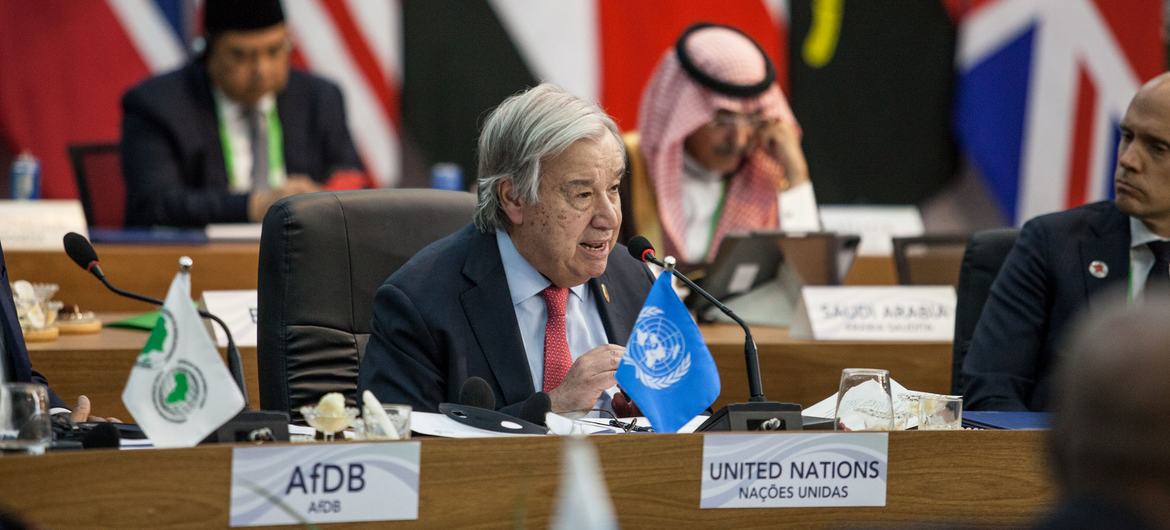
322,257
981,262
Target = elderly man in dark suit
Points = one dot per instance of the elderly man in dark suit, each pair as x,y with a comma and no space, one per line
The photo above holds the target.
537,296
225,136
1062,262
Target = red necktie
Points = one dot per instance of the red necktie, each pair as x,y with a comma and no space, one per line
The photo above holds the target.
557,358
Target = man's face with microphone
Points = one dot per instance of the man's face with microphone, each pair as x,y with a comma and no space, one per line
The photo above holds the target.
569,231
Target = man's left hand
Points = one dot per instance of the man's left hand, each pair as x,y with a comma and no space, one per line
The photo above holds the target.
81,412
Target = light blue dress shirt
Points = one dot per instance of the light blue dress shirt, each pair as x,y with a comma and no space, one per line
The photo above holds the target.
582,319
1141,259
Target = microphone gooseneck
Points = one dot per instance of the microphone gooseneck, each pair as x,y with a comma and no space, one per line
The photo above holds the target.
81,251
641,249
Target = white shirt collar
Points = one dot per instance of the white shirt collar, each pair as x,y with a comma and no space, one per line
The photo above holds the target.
234,110
1140,234
524,281
694,170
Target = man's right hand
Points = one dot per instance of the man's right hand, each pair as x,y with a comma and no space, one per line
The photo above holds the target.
590,375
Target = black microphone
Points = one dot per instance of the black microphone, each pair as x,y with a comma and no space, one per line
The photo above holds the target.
477,393
535,409
478,410
756,413
101,436
81,251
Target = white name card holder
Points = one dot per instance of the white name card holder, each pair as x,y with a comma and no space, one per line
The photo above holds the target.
324,483
39,224
875,224
794,470
238,310
910,313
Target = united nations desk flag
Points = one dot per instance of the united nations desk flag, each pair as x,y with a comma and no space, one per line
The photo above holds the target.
179,390
667,369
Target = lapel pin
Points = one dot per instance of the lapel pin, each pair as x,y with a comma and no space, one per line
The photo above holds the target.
1098,269
605,293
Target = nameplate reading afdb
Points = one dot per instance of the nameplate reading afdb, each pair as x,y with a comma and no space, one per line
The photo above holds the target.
324,483
794,470
910,313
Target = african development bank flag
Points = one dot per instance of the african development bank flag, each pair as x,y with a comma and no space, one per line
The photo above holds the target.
667,369
179,390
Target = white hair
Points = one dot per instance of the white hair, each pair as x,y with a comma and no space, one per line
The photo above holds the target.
522,132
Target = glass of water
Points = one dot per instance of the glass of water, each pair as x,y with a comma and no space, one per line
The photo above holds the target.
863,401
937,412
24,418
396,426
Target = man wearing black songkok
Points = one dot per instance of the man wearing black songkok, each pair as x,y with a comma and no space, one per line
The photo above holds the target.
222,138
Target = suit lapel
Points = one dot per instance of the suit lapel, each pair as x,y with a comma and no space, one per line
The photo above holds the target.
207,121
1108,247
16,365
616,302
601,296
488,306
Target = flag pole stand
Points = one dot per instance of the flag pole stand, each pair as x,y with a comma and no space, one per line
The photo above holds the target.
758,414
247,425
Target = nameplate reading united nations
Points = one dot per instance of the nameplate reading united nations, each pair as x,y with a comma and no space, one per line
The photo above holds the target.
794,470
324,483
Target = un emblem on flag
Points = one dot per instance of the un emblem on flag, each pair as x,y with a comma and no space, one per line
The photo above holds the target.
658,350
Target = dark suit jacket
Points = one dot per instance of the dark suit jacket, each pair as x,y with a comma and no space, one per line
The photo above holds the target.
447,315
17,366
172,158
1045,281
1091,512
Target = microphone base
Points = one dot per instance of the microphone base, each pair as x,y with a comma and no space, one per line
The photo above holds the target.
489,420
754,416
252,426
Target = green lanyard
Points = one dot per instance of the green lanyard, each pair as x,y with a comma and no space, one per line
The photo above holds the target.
715,218
275,148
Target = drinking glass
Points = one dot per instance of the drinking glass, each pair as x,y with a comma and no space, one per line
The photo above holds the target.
863,401
24,418
399,416
937,412
329,423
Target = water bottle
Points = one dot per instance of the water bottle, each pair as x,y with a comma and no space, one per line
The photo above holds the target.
447,176
26,177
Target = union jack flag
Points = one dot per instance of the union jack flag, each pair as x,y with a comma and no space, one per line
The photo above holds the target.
1042,86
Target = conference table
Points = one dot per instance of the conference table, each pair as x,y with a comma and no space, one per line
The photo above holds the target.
799,371
793,370
984,477
145,269
945,478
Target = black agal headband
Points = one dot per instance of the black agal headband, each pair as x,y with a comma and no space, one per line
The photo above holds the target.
723,87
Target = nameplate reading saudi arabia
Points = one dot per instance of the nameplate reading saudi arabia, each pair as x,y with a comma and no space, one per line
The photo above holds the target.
909,313
794,470
324,483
